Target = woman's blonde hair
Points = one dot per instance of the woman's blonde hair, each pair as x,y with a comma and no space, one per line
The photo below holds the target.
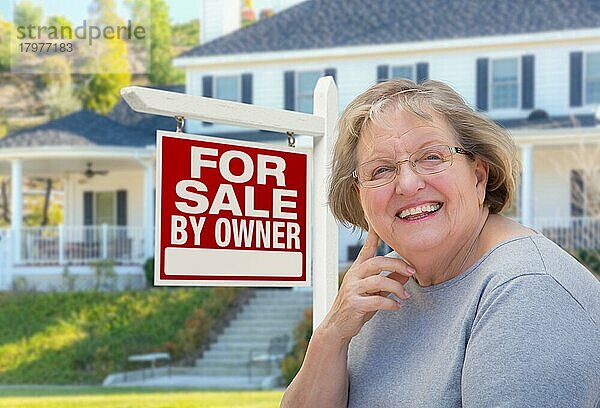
474,132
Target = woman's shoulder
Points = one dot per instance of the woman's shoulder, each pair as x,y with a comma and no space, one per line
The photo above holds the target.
531,261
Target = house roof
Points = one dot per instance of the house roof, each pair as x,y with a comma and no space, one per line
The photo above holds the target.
82,128
316,24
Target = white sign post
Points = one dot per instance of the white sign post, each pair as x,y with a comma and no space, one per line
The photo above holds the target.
320,125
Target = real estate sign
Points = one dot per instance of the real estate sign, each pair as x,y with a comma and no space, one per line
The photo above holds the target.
231,213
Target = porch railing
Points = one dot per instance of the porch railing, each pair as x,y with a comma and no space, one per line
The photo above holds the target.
81,244
571,232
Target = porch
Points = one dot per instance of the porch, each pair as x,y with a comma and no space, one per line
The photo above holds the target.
62,257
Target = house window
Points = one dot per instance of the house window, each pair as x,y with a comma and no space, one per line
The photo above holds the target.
505,83
403,71
228,88
306,82
592,78
105,208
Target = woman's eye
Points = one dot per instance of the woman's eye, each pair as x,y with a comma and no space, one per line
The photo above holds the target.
431,156
381,171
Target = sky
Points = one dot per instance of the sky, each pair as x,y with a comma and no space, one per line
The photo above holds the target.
180,11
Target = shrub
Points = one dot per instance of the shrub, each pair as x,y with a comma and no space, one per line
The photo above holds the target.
104,274
590,258
149,271
291,364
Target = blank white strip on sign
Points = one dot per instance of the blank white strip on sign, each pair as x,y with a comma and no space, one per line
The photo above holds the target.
227,262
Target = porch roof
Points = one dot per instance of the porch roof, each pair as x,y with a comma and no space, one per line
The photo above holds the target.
80,129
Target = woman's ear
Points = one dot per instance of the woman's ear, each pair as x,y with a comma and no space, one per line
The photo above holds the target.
481,176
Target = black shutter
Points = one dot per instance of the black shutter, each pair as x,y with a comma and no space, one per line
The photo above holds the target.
528,85
247,88
383,72
88,208
122,207
331,72
576,79
577,193
482,84
289,102
207,91
422,72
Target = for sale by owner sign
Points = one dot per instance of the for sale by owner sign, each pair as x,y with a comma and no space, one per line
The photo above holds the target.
231,213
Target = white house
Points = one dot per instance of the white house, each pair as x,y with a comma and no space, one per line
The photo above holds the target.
532,66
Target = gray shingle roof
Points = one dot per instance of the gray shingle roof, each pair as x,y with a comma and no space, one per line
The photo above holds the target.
317,24
82,128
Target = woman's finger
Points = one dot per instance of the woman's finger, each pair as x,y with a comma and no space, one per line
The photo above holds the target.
376,284
369,249
389,265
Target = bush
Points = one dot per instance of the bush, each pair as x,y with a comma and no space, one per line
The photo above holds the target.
291,364
590,258
149,271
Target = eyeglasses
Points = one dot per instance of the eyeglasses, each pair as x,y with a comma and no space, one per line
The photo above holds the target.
429,160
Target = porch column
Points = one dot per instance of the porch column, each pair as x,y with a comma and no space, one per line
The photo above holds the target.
527,185
148,209
16,206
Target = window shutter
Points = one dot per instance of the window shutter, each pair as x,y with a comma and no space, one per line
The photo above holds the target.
122,207
88,208
383,72
577,193
332,73
528,84
207,91
482,84
246,88
422,72
289,102
576,81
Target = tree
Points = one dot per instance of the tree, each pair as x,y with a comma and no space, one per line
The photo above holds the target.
6,28
27,13
59,21
161,70
101,92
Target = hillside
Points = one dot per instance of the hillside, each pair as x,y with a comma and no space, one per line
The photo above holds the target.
80,337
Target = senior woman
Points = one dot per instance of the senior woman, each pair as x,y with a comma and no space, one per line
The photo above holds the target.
471,308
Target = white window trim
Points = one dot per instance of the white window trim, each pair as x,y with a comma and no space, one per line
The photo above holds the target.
584,79
297,86
519,86
239,85
94,206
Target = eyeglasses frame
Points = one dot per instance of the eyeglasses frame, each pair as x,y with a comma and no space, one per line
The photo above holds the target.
453,150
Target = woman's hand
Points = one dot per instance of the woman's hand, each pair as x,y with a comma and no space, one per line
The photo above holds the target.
364,290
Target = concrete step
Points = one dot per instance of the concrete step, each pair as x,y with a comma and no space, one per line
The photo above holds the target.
272,312
237,370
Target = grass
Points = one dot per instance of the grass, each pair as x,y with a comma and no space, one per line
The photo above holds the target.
96,397
80,337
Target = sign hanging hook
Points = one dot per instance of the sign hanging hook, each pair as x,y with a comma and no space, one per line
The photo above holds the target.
179,122
291,139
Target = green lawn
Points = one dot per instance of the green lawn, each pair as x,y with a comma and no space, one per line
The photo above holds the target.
101,397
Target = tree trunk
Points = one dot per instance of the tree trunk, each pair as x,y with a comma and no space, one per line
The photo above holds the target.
47,202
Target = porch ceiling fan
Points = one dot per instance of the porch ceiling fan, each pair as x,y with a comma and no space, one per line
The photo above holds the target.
89,172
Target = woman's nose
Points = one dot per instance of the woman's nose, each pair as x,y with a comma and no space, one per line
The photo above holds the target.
408,182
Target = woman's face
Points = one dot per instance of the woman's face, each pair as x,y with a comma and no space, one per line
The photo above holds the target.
418,213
